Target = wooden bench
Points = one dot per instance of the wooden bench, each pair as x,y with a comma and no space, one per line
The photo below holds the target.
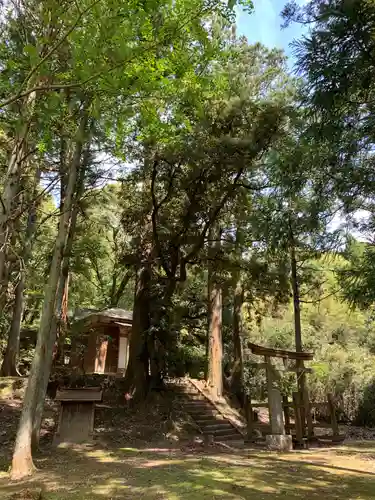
76,415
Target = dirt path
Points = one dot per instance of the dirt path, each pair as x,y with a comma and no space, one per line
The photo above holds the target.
161,473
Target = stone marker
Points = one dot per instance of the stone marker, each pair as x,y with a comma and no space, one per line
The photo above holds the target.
279,442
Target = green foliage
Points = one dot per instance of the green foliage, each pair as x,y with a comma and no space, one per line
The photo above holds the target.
357,278
340,339
97,269
335,60
210,141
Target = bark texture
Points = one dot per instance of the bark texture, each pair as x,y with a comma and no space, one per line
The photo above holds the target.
28,430
11,190
215,343
10,361
296,300
236,379
215,348
137,372
73,190
237,368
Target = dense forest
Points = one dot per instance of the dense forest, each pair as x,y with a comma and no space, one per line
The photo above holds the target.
153,160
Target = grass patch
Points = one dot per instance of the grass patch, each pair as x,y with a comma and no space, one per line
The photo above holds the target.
129,473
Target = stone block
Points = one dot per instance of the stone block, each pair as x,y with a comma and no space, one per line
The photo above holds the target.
279,442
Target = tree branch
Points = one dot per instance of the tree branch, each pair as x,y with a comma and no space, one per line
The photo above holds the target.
156,207
58,44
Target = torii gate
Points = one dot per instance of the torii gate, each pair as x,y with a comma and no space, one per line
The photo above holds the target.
278,438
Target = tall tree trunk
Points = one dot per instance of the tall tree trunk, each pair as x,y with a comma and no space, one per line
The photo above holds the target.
8,199
60,325
61,314
236,379
301,374
117,294
215,357
84,137
210,254
296,298
158,339
237,369
22,464
137,371
215,347
10,361
207,340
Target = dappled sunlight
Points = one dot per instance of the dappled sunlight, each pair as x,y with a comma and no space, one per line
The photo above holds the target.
339,462
157,463
172,475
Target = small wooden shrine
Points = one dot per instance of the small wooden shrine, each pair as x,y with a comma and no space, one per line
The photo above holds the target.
76,416
280,430
101,340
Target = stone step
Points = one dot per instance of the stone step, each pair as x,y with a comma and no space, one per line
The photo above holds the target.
204,417
206,421
222,432
200,413
224,426
193,397
184,388
197,404
187,391
209,419
204,413
229,437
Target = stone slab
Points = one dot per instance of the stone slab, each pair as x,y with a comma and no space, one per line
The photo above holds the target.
279,442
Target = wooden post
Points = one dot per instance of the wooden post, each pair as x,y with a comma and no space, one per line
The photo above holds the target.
306,410
297,416
301,390
101,353
286,414
332,411
309,420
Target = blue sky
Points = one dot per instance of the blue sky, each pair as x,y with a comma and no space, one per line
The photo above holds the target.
264,26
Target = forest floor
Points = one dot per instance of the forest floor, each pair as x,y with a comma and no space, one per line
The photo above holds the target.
149,452
84,473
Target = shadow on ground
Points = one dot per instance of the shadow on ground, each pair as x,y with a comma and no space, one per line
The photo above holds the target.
126,473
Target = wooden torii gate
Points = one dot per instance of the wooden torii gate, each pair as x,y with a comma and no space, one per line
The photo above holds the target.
277,406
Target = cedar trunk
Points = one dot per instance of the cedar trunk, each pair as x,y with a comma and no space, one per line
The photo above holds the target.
73,191
60,324
28,429
10,361
137,372
11,190
215,343
301,380
296,301
215,347
61,317
236,379
237,369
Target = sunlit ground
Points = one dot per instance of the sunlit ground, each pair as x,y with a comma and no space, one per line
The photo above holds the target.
346,472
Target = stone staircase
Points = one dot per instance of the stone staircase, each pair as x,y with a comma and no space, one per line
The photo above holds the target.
207,417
